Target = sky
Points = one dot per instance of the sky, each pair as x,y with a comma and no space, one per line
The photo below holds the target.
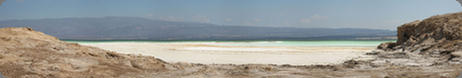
374,14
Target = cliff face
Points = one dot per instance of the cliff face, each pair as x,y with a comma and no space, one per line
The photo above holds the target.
436,29
27,53
438,36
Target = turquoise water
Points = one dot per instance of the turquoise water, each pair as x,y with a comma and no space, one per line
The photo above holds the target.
308,43
263,43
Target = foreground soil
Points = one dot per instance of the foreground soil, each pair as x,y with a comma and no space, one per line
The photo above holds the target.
433,53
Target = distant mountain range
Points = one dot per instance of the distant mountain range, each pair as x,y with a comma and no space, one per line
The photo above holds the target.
133,28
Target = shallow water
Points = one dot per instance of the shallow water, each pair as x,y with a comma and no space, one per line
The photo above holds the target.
338,43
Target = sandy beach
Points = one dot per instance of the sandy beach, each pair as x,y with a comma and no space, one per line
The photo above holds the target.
214,53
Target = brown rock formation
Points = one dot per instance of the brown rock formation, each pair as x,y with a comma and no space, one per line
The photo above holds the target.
27,53
437,36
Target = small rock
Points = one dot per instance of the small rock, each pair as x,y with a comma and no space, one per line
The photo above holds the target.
457,53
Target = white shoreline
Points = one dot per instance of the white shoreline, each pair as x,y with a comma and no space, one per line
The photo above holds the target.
206,53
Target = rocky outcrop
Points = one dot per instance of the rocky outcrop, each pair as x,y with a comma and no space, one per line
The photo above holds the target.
439,37
31,54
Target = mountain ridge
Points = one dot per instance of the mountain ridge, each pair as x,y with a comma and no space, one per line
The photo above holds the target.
135,28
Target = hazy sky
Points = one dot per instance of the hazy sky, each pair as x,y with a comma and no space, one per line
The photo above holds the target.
377,14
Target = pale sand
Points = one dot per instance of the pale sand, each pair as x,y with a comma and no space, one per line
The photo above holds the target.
206,53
